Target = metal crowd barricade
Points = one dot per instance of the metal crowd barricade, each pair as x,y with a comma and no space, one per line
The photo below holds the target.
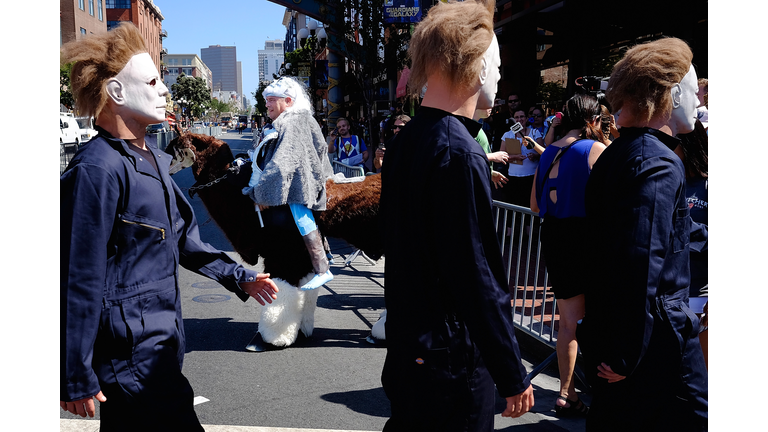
66,152
348,170
534,305
164,139
351,171
206,130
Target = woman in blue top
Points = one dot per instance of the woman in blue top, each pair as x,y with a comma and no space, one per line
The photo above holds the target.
558,197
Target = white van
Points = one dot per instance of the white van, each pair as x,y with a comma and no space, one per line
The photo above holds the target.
71,132
87,131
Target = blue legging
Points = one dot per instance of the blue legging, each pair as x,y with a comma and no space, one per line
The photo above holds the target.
303,218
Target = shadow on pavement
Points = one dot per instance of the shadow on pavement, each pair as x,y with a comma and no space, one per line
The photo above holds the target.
372,402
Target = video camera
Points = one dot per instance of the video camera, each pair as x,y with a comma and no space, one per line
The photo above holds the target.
593,85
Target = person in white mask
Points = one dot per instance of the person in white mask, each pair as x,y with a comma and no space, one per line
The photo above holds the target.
125,229
639,336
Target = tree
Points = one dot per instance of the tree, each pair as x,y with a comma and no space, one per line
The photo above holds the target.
218,107
261,104
194,92
551,93
65,88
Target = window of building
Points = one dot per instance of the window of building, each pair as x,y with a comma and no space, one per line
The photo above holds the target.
186,62
118,4
101,10
90,7
81,4
173,62
82,31
112,24
187,71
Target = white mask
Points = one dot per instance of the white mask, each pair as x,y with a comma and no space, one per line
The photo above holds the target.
139,90
489,75
684,103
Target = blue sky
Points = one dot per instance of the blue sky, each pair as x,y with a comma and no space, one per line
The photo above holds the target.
196,24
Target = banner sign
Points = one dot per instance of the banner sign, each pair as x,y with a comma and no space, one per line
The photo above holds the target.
402,11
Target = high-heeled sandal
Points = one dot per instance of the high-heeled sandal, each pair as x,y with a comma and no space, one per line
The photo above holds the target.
575,408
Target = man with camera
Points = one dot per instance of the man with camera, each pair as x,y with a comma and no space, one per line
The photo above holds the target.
351,148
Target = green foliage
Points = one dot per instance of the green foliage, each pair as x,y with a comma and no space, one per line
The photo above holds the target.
604,67
261,103
551,93
194,91
217,107
65,88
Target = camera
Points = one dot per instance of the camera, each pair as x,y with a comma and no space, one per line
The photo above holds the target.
593,85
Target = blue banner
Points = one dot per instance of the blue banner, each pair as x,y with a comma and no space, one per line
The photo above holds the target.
402,11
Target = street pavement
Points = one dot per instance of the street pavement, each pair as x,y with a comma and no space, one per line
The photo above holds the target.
329,382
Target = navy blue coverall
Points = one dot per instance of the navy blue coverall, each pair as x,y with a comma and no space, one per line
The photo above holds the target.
637,318
450,334
125,229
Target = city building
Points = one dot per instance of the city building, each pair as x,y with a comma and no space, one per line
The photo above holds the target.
79,18
224,66
146,16
187,64
228,97
270,59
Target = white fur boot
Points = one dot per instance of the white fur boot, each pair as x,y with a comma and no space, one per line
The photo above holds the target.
377,331
294,309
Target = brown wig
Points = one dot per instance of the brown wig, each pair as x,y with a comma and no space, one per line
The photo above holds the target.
642,80
97,59
451,40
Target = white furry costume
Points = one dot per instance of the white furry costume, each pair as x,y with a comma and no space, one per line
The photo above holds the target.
294,310
294,168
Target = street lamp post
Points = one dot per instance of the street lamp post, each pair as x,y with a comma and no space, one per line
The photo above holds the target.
314,40
182,102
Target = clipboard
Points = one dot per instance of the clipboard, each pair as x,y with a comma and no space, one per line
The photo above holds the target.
513,147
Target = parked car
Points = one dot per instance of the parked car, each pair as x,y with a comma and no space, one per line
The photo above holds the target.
198,124
158,128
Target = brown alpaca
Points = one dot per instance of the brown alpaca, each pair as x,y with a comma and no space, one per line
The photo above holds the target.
351,212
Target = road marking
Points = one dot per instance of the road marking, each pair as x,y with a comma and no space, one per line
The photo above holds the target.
69,425
199,399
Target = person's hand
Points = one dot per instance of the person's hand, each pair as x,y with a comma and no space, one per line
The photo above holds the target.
498,179
499,157
260,207
605,371
519,404
380,152
262,289
533,156
518,157
83,406
556,121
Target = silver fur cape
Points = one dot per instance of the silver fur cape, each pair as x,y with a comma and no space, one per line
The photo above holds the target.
297,164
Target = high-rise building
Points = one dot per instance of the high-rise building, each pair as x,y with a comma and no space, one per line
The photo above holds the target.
222,60
270,59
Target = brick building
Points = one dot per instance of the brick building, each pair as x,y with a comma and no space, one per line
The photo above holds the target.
145,15
80,18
